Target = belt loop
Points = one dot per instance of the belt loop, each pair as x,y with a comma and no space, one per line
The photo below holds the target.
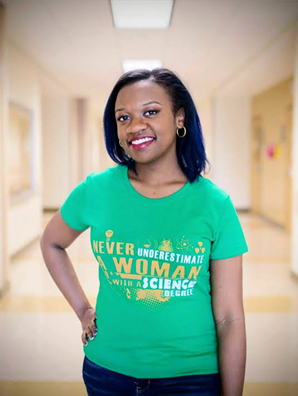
141,382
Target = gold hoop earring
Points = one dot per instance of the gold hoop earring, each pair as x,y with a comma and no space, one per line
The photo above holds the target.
184,133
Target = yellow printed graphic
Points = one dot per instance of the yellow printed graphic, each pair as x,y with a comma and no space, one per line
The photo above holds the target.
202,249
109,234
157,271
104,268
154,297
141,294
184,244
166,245
130,276
151,272
151,297
160,297
194,272
148,242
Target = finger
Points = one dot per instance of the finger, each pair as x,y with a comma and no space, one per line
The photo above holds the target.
93,329
84,338
89,334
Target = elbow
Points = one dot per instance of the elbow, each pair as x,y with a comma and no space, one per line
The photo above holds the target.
45,244
230,323
44,241
229,319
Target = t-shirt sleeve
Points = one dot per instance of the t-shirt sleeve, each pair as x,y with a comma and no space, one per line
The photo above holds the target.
74,208
229,240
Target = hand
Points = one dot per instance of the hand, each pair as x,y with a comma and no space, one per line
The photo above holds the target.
88,325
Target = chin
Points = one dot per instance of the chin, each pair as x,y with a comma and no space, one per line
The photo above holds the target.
146,161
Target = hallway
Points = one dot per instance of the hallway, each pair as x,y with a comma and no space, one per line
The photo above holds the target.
40,341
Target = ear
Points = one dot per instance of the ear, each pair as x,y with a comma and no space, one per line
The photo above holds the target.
180,118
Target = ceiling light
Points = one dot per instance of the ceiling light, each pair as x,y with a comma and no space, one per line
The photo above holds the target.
148,64
142,14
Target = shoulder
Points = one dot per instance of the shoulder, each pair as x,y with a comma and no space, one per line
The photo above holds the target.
106,176
105,180
206,189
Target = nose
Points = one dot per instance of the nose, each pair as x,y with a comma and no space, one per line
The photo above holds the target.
137,124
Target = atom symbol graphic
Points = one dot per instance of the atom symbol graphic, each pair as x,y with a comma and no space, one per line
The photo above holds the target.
184,244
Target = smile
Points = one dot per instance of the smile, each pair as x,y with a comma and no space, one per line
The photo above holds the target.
141,143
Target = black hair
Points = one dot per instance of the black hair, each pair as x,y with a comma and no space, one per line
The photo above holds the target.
190,150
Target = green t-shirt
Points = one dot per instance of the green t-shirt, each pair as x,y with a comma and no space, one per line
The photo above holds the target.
154,313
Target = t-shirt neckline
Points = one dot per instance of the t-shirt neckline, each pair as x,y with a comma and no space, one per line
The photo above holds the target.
133,191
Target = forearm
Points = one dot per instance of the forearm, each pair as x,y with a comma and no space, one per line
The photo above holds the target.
232,355
65,277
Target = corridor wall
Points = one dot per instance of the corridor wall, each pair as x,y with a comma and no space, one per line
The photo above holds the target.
25,214
56,150
294,170
231,154
4,262
271,153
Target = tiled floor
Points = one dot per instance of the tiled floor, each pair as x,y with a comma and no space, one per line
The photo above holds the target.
41,351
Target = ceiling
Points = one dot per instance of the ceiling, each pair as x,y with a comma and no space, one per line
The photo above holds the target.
217,47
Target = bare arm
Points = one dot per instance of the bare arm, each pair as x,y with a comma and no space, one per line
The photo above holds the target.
227,302
55,239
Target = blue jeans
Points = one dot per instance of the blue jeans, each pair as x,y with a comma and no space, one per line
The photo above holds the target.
101,381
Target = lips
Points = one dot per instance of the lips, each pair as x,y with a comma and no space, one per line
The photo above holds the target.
141,142
140,139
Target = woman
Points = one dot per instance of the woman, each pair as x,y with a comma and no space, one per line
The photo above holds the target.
169,314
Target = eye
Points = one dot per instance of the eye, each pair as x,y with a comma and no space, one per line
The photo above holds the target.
122,118
152,112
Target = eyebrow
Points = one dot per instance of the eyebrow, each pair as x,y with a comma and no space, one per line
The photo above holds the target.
144,104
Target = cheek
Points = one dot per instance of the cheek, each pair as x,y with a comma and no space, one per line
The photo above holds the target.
166,126
170,128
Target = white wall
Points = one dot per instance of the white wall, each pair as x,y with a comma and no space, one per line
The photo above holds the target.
2,109
56,150
100,157
72,143
92,148
56,145
95,138
294,235
231,148
71,140
4,282
25,216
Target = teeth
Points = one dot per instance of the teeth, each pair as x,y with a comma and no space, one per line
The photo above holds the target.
140,141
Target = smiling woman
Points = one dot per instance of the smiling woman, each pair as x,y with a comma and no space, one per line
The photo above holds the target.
143,124
169,314
164,102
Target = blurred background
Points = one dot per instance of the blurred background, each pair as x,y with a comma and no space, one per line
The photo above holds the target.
59,60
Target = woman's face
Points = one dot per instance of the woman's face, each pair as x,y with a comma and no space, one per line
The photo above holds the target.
146,125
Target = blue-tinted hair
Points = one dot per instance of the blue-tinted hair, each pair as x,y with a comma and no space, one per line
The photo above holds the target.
191,154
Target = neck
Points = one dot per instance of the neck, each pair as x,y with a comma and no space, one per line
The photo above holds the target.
158,174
